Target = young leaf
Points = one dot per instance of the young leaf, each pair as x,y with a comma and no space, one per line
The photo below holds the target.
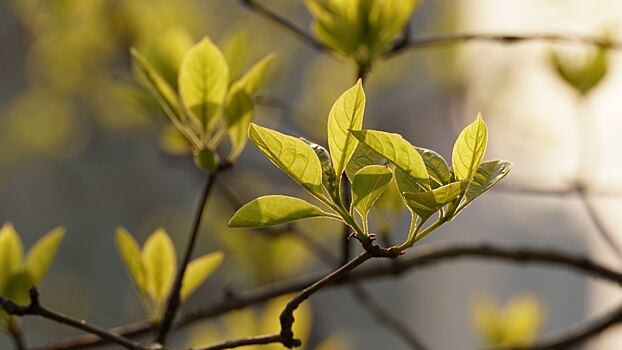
274,210
329,178
160,264
291,155
238,115
11,253
207,160
367,186
345,115
161,90
398,151
17,287
362,157
203,81
488,174
198,270
436,165
131,256
256,77
426,203
42,254
469,149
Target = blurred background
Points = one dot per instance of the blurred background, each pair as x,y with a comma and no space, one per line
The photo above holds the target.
83,146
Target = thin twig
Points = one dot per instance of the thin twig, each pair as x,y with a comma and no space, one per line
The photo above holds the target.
284,23
36,309
579,334
174,299
287,315
17,336
450,39
258,340
420,258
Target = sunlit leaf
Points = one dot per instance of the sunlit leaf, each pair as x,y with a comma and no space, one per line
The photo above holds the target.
207,160
173,142
345,115
436,165
469,149
238,115
161,90
367,185
203,81
235,48
131,256
329,178
488,174
274,210
428,202
362,157
17,287
582,76
42,254
11,252
296,158
160,264
398,151
255,78
197,271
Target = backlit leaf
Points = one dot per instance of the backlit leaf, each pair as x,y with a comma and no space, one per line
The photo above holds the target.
131,256
197,271
329,178
160,264
469,149
238,115
42,254
254,79
438,170
367,186
296,158
274,210
488,174
11,252
428,202
345,115
203,81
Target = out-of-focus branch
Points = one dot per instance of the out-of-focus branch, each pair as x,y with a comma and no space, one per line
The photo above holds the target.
284,23
36,309
450,39
258,340
579,334
423,256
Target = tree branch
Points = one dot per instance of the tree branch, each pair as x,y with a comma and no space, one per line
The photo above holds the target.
36,309
284,23
423,256
450,39
287,315
174,299
258,340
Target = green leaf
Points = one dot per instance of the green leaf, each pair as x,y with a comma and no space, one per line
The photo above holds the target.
42,254
469,149
17,287
207,160
367,186
274,210
160,264
428,202
131,256
203,81
11,253
437,166
488,174
329,178
398,151
238,115
362,157
197,271
583,76
256,76
159,88
235,48
345,115
291,155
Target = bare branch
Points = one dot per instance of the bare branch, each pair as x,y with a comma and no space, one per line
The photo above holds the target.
258,340
284,23
174,299
450,39
36,309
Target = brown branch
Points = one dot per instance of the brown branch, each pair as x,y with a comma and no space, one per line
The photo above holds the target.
258,340
174,299
419,258
284,23
36,309
579,334
287,315
450,39
17,336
